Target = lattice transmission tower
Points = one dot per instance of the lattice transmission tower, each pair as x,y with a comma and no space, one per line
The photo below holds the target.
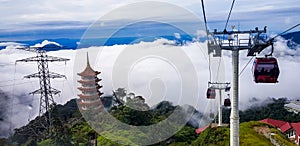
46,91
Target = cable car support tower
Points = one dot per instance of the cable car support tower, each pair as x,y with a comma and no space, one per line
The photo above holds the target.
220,87
235,41
229,40
46,91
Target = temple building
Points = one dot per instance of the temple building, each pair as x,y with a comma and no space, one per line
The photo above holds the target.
90,90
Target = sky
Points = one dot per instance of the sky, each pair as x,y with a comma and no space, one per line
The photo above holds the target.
45,19
29,20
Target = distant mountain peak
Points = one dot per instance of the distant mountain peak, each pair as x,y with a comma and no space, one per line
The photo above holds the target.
293,36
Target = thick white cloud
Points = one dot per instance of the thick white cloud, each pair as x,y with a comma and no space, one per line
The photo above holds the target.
4,44
146,77
46,42
144,73
27,15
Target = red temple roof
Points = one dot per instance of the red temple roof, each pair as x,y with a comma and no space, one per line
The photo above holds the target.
88,96
90,82
96,103
88,89
88,71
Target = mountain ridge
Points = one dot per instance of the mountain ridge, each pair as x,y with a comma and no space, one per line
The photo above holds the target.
71,129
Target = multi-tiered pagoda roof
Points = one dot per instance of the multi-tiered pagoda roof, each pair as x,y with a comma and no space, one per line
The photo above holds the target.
90,89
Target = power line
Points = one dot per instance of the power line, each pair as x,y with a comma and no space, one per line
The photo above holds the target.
26,102
3,81
15,84
5,64
229,14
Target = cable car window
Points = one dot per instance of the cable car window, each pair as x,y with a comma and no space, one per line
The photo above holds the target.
265,67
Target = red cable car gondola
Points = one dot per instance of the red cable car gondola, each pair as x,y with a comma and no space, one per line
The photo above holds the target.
266,70
227,102
211,93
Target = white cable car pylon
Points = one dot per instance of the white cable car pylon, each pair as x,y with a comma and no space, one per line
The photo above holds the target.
229,40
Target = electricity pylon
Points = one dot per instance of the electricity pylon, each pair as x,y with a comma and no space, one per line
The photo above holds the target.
46,91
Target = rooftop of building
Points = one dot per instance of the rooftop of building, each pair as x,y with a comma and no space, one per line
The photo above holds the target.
88,71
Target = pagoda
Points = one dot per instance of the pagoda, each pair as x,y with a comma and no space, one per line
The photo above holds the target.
90,95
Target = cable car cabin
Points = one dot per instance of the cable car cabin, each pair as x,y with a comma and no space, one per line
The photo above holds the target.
266,70
227,102
211,115
211,93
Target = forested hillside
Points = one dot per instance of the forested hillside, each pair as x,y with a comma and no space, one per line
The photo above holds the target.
69,128
274,110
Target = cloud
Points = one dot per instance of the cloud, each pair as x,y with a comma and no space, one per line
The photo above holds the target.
139,75
4,44
46,42
146,75
46,25
177,35
201,33
34,19
29,15
4,120
17,89
24,12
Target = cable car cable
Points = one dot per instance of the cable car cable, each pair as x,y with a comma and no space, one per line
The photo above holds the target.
204,17
271,40
206,29
269,77
218,70
246,66
232,4
12,102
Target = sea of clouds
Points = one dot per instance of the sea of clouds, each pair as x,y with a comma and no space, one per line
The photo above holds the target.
153,78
